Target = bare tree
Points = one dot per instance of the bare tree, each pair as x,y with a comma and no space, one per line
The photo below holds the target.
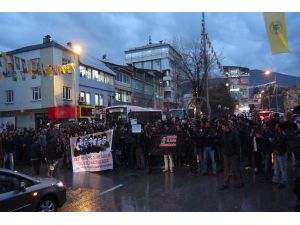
193,69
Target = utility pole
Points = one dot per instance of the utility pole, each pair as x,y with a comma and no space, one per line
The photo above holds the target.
205,64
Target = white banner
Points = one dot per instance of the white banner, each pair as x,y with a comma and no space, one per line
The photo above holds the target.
92,152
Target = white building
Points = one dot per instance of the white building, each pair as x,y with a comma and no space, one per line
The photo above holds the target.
32,102
164,58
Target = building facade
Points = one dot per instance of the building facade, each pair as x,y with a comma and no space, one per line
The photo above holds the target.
164,58
34,99
237,80
123,82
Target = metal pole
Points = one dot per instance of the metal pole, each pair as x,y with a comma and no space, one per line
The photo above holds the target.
276,92
205,65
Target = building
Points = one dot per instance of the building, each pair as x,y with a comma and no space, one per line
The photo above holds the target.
135,86
164,58
96,87
237,80
33,99
123,83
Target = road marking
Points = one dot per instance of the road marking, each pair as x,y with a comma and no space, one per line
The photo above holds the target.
111,189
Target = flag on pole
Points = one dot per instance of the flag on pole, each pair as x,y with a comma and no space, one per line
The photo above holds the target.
34,66
277,32
14,76
39,69
12,62
29,67
22,75
4,60
45,72
24,67
17,60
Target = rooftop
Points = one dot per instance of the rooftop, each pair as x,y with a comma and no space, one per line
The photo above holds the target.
152,45
96,64
40,46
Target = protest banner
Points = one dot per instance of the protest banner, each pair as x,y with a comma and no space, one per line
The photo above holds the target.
92,152
166,146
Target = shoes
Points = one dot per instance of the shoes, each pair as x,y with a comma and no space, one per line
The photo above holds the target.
281,186
171,171
165,171
224,187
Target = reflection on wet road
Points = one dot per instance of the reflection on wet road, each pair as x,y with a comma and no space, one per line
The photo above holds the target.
171,192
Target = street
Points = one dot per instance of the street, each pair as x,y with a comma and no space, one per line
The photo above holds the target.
131,191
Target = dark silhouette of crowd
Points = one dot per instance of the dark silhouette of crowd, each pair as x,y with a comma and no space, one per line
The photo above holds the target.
231,144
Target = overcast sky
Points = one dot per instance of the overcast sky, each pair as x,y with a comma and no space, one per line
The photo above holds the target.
240,37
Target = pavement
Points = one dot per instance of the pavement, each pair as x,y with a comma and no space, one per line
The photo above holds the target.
136,191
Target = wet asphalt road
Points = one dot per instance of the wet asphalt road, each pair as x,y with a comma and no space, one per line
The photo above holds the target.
131,190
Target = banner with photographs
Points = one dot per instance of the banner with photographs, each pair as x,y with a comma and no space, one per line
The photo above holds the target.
92,152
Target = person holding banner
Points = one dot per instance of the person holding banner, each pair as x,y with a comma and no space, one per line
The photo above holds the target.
168,158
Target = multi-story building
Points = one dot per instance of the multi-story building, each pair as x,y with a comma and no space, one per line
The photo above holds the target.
34,100
123,81
237,80
140,87
164,58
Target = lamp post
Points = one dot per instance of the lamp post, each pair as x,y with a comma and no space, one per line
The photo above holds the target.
267,73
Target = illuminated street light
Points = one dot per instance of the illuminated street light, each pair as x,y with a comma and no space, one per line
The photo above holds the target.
262,91
227,84
77,49
267,72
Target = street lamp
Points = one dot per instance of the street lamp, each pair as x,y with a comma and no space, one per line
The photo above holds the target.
77,49
267,73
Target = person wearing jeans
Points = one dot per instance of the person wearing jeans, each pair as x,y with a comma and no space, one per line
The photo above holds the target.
209,147
209,152
280,151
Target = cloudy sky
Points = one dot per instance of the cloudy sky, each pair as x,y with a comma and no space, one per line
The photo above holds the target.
240,37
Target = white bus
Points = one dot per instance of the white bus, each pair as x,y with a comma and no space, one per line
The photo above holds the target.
127,112
182,113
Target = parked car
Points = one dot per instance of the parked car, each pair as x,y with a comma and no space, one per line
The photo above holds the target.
19,192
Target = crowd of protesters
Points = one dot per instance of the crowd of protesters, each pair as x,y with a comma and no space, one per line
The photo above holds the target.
203,146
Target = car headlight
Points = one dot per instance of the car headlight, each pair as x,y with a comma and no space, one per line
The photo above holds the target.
60,184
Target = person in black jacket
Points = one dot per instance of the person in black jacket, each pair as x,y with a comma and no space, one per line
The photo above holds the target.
280,151
230,148
267,149
8,147
36,155
209,147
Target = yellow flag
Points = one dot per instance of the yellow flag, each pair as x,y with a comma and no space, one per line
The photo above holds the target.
29,67
277,32
5,64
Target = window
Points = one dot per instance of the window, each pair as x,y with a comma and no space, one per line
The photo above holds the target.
167,94
36,93
96,75
89,73
118,96
83,71
66,61
10,183
98,100
126,97
148,65
101,76
137,85
66,93
9,96
148,89
109,80
156,65
88,98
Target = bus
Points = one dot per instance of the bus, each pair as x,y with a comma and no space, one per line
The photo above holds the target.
126,112
182,113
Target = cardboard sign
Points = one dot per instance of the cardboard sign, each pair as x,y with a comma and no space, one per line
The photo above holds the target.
136,128
133,122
